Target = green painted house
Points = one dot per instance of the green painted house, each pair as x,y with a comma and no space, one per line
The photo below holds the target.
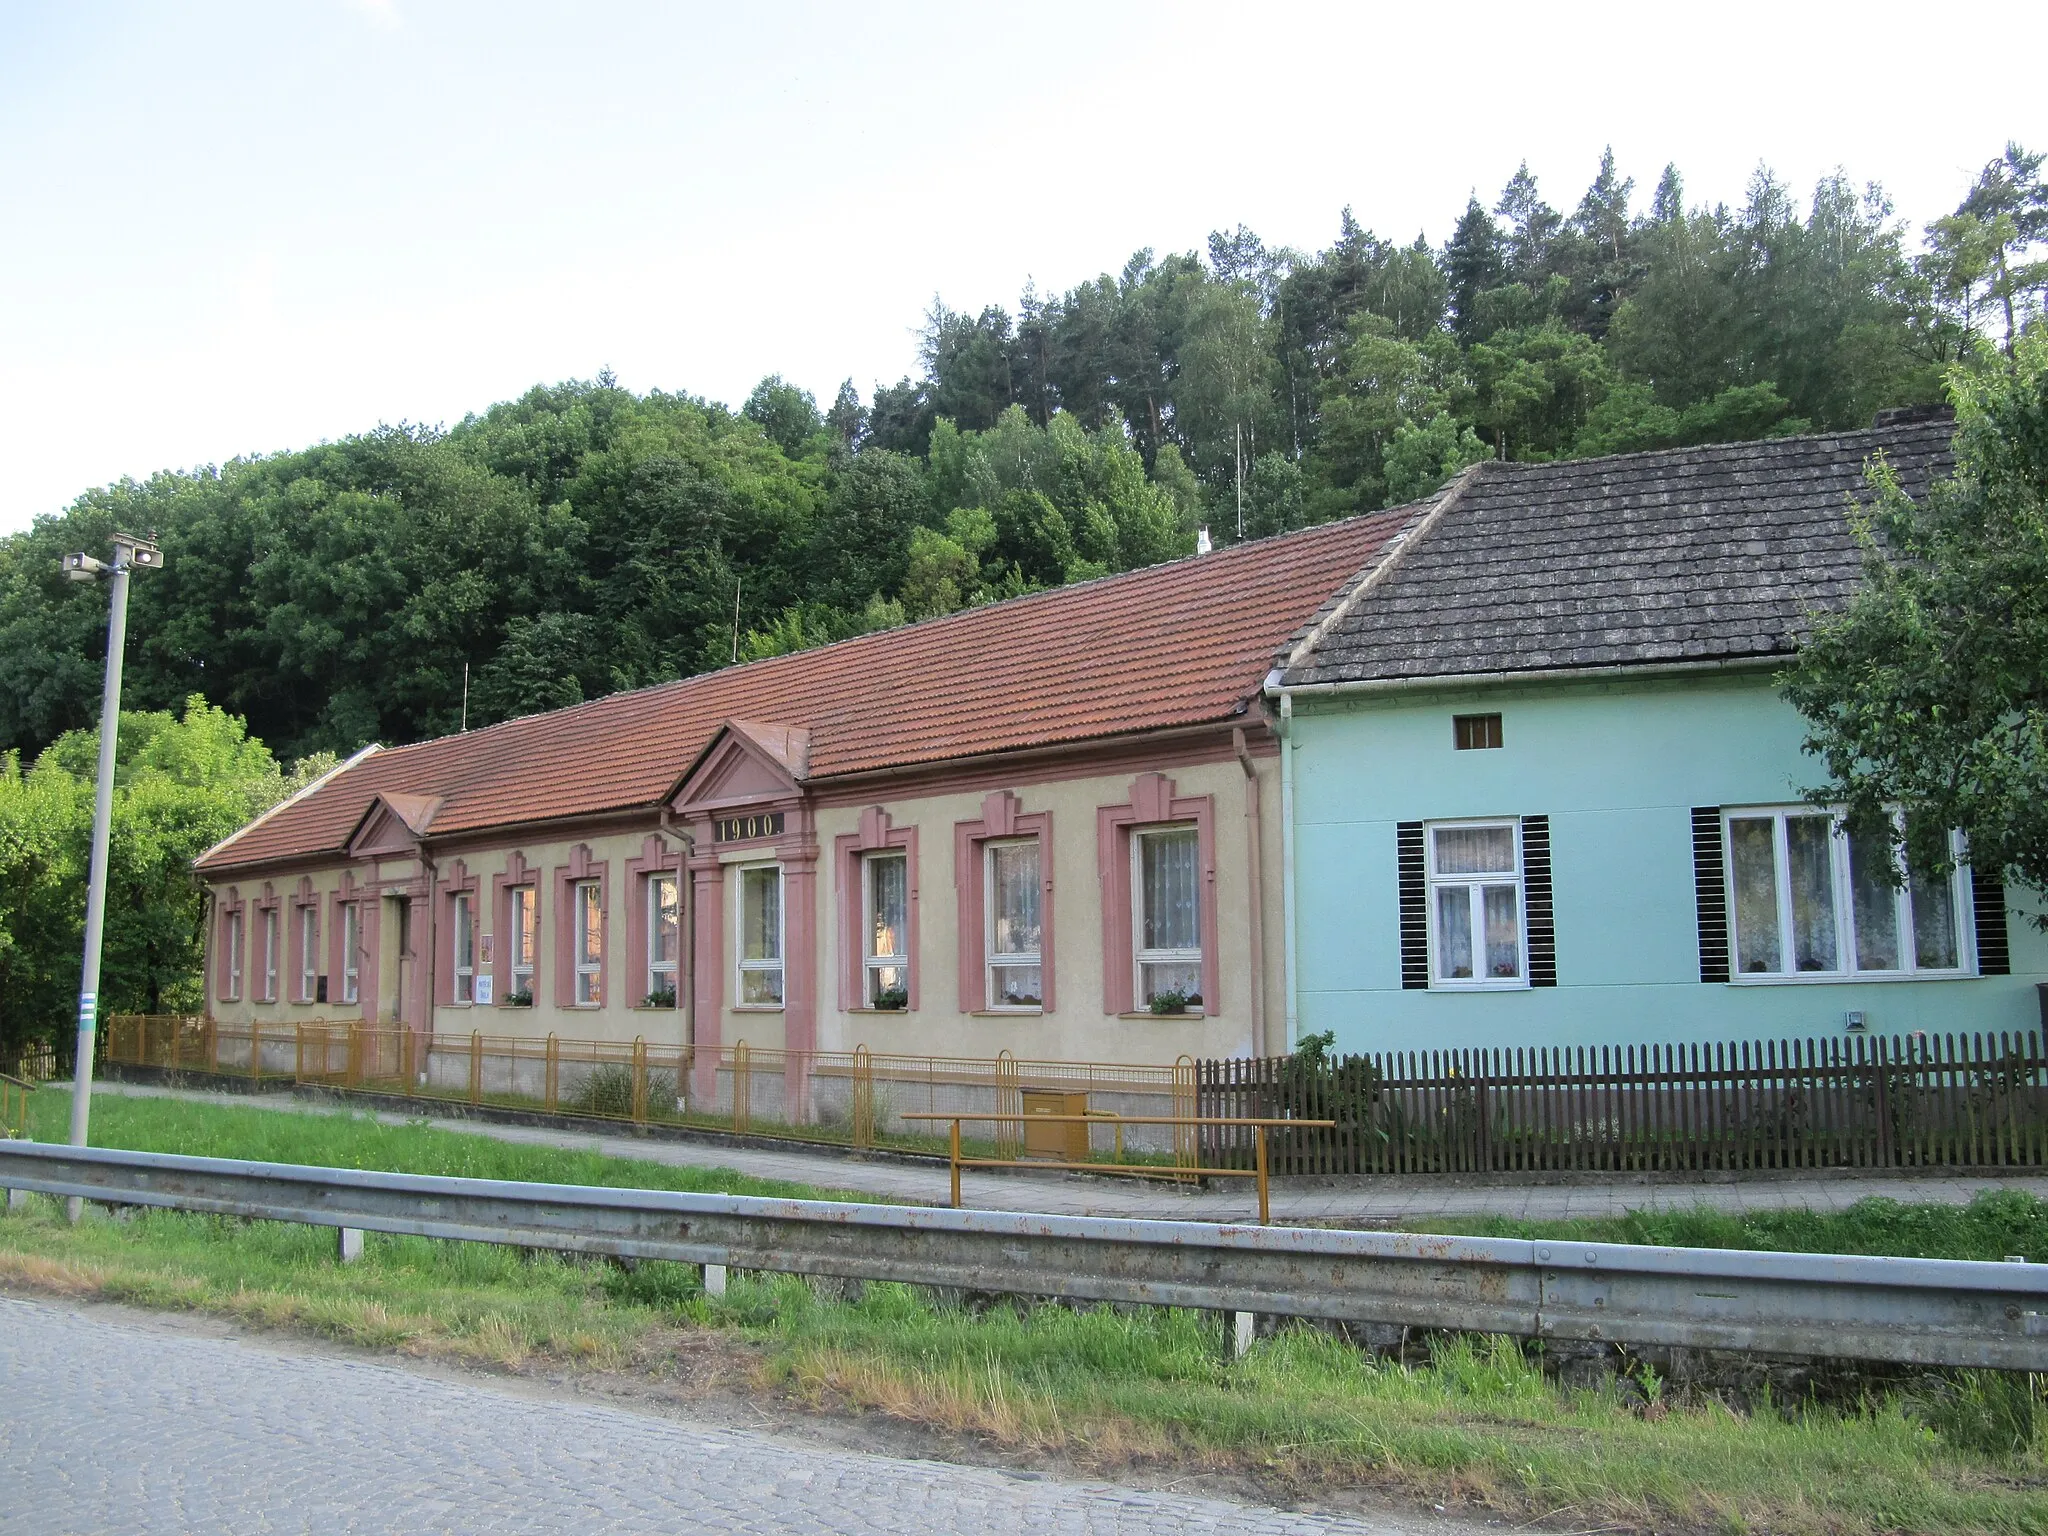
1540,789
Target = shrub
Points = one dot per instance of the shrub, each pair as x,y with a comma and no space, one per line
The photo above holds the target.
608,1090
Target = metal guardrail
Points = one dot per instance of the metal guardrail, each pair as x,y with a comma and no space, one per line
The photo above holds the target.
1916,1311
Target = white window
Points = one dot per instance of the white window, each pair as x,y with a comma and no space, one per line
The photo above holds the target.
351,951
1010,902
585,902
760,936
664,936
1166,920
309,953
1808,898
465,948
1475,905
270,955
885,921
525,941
233,928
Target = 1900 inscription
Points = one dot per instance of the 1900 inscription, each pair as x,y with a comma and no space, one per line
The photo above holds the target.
737,829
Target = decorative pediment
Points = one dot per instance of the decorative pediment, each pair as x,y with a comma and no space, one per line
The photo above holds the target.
746,763
392,826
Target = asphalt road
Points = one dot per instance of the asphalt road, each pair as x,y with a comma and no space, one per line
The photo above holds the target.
146,1425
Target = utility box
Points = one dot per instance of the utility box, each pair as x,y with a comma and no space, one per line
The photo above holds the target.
1056,1138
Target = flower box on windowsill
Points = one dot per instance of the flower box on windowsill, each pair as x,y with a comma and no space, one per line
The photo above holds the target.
517,1000
1149,1017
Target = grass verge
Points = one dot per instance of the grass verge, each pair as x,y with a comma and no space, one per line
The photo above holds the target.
1995,1225
1100,1389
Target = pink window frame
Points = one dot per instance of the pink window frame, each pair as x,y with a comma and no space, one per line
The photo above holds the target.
656,858
269,912
1001,820
1153,803
516,875
849,894
305,909
368,911
459,882
580,868
233,911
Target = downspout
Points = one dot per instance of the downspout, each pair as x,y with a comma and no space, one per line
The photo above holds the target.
1255,849
686,921
1287,865
429,996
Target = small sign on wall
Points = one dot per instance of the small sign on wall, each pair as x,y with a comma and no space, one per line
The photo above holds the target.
486,948
480,987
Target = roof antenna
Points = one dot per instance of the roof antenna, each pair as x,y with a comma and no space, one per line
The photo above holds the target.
465,698
736,616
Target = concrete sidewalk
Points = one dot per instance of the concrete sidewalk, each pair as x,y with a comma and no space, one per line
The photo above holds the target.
1367,1202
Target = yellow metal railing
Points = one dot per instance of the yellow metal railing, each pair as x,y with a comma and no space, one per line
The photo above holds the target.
1131,1170
859,1098
14,1092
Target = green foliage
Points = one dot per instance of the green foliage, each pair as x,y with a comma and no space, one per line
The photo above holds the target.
607,1089
181,783
1930,691
582,539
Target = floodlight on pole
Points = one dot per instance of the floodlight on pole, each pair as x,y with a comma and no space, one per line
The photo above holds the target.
129,552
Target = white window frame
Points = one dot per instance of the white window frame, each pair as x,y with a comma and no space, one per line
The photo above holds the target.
742,966
1142,957
525,906
991,962
270,954
663,974
462,936
1475,884
873,964
309,953
233,993
586,908
351,952
1844,893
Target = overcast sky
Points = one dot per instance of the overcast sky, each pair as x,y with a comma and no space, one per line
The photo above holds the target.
235,228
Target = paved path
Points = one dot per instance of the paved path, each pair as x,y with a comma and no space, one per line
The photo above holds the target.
1376,1202
109,1426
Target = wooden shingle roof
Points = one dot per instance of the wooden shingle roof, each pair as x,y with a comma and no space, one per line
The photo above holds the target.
1684,555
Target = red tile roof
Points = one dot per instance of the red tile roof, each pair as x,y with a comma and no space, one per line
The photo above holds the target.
1184,643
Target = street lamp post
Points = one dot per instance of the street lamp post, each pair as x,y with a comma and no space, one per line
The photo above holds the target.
129,552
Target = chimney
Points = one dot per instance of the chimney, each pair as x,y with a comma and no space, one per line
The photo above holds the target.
1202,544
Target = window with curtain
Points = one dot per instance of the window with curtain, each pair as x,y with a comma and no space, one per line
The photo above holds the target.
232,932
309,952
270,955
760,936
1010,905
1475,905
351,952
1166,924
1807,897
525,940
586,902
464,934
664,934
885,878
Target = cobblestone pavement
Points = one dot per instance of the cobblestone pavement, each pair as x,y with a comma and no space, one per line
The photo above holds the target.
108,1426
1387,1201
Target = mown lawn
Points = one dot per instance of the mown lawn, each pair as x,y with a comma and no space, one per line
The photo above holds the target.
1100,1388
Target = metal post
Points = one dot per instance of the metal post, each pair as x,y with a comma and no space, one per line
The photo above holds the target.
102,830
1265,1209
956,1165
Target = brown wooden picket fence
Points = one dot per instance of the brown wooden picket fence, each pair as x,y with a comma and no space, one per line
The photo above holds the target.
1910,1101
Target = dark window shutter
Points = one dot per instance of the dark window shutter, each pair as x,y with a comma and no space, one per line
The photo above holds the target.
1414,905
1987,896
1710,891
1536,896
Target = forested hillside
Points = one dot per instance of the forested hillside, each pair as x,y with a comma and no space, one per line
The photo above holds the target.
584,539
